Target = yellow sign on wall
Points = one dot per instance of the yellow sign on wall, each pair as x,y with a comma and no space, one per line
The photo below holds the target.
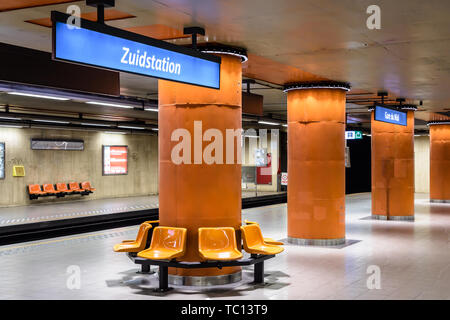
18,171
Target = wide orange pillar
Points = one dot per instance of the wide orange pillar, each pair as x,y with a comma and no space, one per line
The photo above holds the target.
316,165
199,194
393,169
440,162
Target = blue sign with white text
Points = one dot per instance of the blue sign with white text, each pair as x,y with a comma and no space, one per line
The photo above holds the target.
390,116
109,51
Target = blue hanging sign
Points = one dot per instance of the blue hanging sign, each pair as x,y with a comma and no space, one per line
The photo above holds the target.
110,48
391,116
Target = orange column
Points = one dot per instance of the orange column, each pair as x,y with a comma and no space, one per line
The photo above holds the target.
393,169
316,166
200,195
440,162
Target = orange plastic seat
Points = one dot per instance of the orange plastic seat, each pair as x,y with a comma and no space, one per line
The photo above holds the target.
86,186
152,222
167,244
254,242
62,187
74,187
35,189
49,188
218,244
135,245
266,240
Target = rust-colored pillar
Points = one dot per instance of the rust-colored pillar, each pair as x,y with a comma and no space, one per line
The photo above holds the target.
316,164
440,162
199,194
393,169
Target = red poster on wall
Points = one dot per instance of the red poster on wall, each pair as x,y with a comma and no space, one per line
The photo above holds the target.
115,160
264,174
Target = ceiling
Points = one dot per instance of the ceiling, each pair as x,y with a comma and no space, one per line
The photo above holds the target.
291,40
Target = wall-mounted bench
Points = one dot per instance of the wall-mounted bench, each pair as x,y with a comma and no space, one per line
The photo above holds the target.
62,189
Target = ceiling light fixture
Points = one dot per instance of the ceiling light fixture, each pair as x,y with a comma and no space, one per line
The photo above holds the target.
9,118
434,123
95,124
317,85
37,96
269,123
234,51
107,104
243,57
131,127
151,109
9,126
51,121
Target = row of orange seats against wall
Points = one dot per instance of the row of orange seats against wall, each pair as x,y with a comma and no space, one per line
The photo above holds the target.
59,189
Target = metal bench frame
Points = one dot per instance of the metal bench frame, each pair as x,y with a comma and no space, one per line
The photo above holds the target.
164,265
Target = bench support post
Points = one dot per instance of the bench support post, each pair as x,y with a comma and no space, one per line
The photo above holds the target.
258,273
163,279
145,268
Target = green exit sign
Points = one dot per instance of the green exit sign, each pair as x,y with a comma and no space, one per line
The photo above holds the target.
353,135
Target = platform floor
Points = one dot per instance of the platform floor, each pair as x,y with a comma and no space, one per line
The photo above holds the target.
413,259
77,209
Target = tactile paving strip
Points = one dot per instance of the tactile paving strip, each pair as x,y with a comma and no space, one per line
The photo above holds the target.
33,246
77,214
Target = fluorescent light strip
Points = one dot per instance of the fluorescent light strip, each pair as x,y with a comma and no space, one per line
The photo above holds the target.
269,123
51,121
131,127
151,109
155,129
10,118
112,132
9,126
96,124
37,96
107,104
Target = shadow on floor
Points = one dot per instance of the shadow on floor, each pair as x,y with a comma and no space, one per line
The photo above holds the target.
144,284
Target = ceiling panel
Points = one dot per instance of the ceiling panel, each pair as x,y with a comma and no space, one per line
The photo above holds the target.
7,5
159,31
110,14
291,40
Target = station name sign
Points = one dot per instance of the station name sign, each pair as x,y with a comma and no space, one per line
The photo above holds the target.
391,116
111,48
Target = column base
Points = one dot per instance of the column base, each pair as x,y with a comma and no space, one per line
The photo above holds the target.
316,242
198,281
393,218
439,201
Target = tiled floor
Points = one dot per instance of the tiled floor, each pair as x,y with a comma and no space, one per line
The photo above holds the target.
413,259
77,209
